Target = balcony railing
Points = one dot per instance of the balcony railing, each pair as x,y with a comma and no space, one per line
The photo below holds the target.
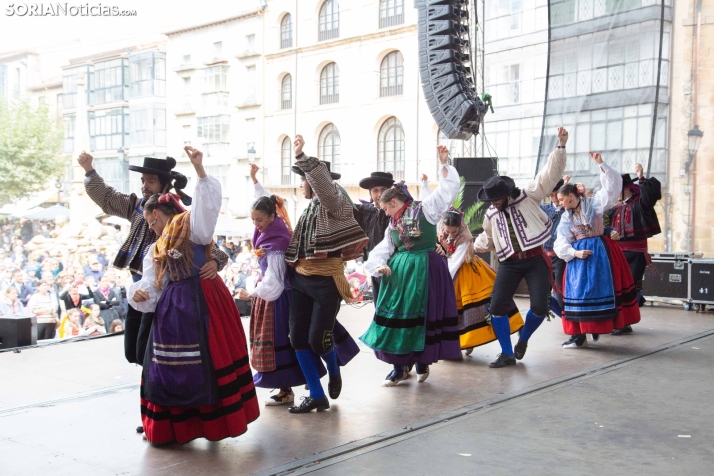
329,98
385,91
328,34
386,22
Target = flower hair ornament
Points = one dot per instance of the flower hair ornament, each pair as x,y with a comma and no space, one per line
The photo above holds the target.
402,187
173,199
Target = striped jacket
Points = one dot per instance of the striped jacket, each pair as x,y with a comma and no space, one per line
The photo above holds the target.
132,252
328,224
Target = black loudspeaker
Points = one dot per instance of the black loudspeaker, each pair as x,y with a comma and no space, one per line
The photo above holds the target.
702,281
445,67
475,171
670,282
17,331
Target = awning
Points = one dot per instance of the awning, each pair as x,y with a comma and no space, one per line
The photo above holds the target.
21,206
46,214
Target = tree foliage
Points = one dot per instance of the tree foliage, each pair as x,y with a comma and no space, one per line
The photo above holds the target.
474,214
30,149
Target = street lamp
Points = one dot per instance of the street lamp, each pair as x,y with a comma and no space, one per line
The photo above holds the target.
251,154
694,137
58,186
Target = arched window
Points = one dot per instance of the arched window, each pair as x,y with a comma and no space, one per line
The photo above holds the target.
391,12
286,31
286,162
391,74
286,92
390,149
330,84
329,147
329,22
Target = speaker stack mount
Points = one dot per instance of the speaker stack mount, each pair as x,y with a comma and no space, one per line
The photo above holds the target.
445,67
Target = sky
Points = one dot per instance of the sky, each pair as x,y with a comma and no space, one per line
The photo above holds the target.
19,29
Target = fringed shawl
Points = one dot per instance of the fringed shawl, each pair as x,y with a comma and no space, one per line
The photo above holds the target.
172,251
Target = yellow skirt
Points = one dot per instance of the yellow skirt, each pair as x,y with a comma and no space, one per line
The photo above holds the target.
473,286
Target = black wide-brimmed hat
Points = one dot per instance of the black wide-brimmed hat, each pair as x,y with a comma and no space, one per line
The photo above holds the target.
155,166
377,179
334,175
560,183
496,188
626,180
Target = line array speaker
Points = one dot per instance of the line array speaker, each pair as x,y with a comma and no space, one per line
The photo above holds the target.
445,67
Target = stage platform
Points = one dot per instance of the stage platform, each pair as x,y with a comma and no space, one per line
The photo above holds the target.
71,409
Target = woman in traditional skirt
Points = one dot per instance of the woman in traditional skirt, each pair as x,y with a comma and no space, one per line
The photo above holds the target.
415,321
272,356
196,381
473,283
598,290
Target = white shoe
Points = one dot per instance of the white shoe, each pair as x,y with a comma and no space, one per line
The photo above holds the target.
424,376
395,377
469,350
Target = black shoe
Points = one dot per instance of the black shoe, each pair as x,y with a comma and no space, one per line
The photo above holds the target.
309,404
502,360
140,429
575,342
422,371
519,351
641,301
596,337
334,386
622,332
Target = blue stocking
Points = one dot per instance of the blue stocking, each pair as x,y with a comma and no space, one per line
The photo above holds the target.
331,363
502,329
308,363
532,323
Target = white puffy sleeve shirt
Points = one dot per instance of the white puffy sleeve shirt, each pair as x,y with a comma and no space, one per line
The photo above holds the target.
207,198
457,259
270,288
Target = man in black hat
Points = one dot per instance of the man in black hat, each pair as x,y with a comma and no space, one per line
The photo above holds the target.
634,219
371,218
516,228
326,235
157,176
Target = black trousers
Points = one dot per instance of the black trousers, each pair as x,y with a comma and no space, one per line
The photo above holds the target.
314,304
558,272
45,331
136,335
638,264
508,277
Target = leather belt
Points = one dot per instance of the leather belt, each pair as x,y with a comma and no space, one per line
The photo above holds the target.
537,251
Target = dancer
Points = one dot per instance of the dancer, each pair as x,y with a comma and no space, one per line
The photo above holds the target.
635,220
598,291
555,210
473,283
371,217
196,381
516,228
415,321
325,236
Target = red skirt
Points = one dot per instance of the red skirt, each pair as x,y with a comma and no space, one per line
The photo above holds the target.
628,310
238,403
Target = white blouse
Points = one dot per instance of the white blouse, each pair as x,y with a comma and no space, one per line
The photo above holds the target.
457,259
272,285
207,198
433,206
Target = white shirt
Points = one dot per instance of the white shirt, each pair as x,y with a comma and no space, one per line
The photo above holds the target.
207,198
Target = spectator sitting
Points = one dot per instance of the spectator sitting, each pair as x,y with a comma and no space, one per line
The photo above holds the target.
93,268
116,326
119,291
72,298
41,305
18,256
70,325
23,291
10,304
6,277
107,300
90,283
94,324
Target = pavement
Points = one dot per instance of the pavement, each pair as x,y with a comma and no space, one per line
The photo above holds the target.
624,405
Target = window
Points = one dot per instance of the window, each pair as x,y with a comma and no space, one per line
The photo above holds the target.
186,59
68,123
113,171
286,92
187,96
212,132
250,83
286,162
148,75
390,148
391,12
286,31
18,81
512,76
329,21
148,126
109,82
391,74
220,172
329,147
108,129
215,79
69,87
330,84
186,133
217,47
250,43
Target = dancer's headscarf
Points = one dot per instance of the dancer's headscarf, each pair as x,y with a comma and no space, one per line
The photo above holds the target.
464,235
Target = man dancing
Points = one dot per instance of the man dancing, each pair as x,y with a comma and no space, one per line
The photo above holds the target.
516,228
157,176
325,235
634,219
372,219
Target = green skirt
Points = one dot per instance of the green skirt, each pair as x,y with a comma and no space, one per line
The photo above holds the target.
399,324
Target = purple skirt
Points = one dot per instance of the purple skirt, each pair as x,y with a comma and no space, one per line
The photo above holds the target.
442,321
287,371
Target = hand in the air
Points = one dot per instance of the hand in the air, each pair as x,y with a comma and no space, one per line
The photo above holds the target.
562,136
298,144
85,161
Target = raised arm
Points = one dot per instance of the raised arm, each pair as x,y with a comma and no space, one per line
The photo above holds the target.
650,188
259,190
319,178
434,205
611,182
542,185
109,200
207,199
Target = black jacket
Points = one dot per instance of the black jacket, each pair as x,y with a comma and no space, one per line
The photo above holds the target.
374,222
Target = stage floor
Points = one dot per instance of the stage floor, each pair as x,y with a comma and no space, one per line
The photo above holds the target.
72,408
